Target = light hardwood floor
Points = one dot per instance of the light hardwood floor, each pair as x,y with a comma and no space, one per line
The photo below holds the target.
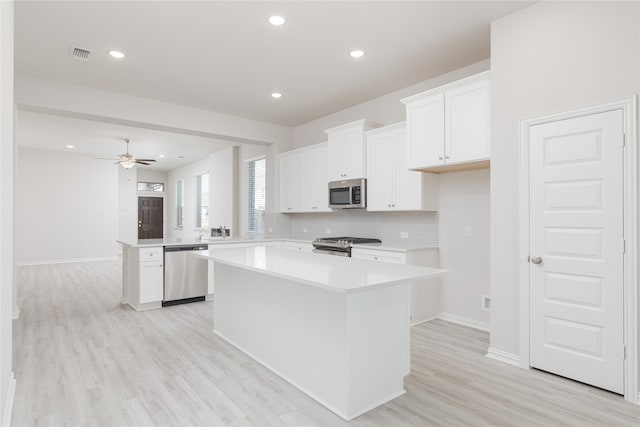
81,358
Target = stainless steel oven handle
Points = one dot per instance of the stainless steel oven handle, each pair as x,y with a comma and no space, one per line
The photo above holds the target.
329,252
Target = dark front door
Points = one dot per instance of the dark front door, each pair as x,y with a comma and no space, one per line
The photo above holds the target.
150,218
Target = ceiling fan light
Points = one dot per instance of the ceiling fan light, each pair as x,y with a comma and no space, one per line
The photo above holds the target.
128,163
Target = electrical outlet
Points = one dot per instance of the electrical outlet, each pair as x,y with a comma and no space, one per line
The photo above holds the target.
486,302
467,231
327,231
404,235
304,230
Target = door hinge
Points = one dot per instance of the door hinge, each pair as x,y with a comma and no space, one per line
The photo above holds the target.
528,258
624,246
624,139
624,352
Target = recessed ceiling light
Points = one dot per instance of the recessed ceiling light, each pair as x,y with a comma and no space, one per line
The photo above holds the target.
276,20
276,95
116,54
356,53
70,146
161,155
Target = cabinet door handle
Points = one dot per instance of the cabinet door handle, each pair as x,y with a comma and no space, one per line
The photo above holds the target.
440,158
446,157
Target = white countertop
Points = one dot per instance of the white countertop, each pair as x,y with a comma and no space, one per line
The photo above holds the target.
337,274
142,243
398,246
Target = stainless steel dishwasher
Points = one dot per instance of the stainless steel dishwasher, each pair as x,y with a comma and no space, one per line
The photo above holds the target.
185,276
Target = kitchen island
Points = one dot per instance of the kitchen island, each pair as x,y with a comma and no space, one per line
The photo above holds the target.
336,328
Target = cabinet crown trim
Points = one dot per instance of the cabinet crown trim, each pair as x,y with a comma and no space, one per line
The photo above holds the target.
305,148
439,89
362,123
388,128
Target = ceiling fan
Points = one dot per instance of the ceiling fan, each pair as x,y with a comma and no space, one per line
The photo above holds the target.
127,160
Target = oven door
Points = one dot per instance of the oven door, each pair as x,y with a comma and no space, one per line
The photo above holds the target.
332,252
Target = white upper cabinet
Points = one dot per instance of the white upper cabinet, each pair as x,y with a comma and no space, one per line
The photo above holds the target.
448,128
303,180
290,184
391,186
347,152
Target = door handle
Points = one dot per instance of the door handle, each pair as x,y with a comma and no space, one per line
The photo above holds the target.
536,260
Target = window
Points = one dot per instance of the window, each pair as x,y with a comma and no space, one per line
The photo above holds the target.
151,186
203,201
256,191
179,203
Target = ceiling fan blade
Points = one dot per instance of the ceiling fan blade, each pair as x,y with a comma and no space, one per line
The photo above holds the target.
142,163
105,158
146,160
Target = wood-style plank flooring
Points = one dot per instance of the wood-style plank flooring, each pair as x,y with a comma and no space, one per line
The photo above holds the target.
81,358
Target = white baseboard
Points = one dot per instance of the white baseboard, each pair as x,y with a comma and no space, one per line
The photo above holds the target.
464,321
503,356
419,322
8,406
66,261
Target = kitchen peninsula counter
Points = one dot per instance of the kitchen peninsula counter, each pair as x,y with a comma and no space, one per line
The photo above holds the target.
336,328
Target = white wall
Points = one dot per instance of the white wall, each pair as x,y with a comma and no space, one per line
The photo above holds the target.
127,204
7,285
223,205
189,174
384,110
66,207
549,57
464,203
221,167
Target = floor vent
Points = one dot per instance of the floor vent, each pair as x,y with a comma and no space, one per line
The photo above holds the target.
80,54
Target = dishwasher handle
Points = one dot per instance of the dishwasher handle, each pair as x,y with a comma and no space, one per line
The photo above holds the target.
182,248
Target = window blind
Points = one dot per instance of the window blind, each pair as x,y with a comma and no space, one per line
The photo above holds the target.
257,195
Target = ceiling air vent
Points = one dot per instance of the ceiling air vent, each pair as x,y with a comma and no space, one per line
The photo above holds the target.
80,54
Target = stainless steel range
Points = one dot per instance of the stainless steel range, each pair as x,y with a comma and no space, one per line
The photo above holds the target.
341,245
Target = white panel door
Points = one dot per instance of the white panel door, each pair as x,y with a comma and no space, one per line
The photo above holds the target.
576,228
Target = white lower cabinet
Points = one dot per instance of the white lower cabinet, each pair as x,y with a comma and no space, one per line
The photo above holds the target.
151,281
143,277
424,293
151,275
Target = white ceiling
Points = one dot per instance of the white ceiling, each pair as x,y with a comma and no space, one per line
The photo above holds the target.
48,132
226,57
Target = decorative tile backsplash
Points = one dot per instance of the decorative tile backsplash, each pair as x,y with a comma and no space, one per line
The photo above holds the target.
421,227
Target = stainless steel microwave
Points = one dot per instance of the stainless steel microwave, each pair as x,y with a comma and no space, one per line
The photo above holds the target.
348,194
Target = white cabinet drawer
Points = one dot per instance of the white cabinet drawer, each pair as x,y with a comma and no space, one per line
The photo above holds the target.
378,255
150,254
